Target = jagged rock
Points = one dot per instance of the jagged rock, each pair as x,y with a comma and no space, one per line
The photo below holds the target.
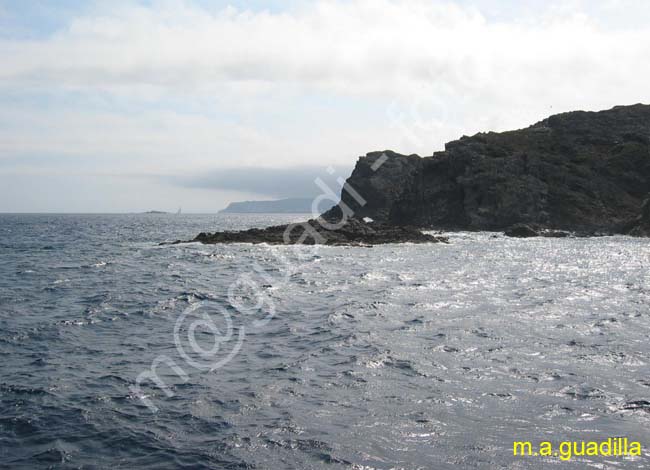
321,231
522,231
380,178
580,172
528,231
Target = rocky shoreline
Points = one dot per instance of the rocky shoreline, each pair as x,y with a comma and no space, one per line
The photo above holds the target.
356,232
572,175
351,232
638,227
582,172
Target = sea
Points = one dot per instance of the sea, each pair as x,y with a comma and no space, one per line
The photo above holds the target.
117,352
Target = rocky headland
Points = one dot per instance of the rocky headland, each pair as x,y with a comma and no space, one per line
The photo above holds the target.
578,173
584,172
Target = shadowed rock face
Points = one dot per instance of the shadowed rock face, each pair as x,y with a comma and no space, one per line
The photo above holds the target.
641,226
579,171
352,232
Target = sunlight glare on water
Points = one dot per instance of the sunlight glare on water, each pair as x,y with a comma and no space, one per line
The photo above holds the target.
398,356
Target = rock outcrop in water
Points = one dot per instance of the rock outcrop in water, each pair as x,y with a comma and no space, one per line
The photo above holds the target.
580,171
522,231
352,232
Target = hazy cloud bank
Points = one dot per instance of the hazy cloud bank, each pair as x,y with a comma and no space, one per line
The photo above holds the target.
275,183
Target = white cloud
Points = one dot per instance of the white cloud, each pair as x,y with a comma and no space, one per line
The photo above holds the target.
324,82
363,46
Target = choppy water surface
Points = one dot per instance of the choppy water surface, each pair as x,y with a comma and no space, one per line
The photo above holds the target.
400,356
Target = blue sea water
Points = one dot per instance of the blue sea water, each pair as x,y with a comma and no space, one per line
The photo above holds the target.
394,357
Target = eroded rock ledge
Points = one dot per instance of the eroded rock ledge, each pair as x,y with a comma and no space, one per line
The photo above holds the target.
354,232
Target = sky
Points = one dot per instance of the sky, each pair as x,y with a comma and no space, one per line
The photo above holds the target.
128,106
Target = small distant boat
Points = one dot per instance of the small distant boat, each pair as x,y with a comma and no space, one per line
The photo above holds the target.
179,211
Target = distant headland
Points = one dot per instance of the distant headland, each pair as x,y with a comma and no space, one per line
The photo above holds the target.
281,206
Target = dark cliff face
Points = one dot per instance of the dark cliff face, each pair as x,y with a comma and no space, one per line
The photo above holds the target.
573,171
380,178
641,226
